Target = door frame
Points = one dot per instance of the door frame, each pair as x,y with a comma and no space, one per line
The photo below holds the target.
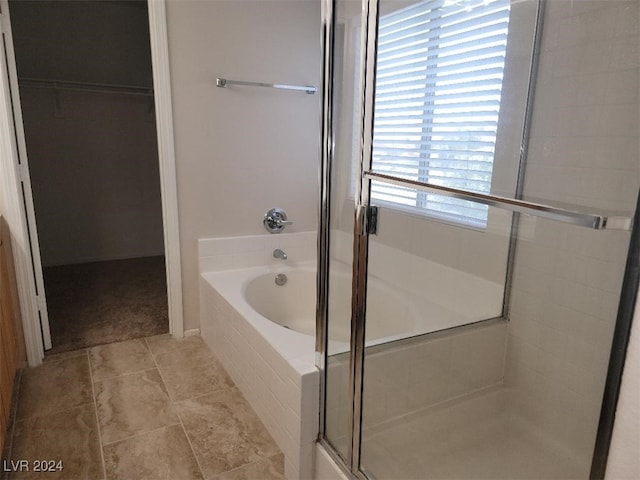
17,210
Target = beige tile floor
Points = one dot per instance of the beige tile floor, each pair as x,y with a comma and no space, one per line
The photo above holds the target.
153,408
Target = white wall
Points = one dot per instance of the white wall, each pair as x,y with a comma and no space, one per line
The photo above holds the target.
583,151
241,151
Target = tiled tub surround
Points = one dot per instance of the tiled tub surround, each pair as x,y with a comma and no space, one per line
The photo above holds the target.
148,408
272,366
281,386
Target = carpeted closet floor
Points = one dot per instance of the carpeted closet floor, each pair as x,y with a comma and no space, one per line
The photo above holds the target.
93,304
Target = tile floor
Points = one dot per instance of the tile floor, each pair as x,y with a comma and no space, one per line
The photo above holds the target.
152,408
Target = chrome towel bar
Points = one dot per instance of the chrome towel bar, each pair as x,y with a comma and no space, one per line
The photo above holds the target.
589,220
223,82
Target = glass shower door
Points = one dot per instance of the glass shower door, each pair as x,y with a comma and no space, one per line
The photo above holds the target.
485,301
516,397
483,321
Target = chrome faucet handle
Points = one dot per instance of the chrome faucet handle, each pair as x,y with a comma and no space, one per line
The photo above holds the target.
275,220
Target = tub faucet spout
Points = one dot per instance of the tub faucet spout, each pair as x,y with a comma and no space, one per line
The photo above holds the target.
277,253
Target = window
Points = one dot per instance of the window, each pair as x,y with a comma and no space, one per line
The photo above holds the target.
438,87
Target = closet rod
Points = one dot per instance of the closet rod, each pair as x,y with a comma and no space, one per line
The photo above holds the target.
86,86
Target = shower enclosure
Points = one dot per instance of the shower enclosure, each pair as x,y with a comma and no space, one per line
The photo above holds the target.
480,179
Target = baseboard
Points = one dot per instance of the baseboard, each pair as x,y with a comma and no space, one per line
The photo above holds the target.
191,333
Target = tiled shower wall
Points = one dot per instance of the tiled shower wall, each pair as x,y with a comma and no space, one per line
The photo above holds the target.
583,151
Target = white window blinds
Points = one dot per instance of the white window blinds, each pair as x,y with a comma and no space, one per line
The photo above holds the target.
438,85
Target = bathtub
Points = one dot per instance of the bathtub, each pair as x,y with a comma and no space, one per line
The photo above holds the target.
293,304
264,333
252,293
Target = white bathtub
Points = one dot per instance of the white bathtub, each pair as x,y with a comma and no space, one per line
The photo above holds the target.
391,314
293,304
293,300
264,333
